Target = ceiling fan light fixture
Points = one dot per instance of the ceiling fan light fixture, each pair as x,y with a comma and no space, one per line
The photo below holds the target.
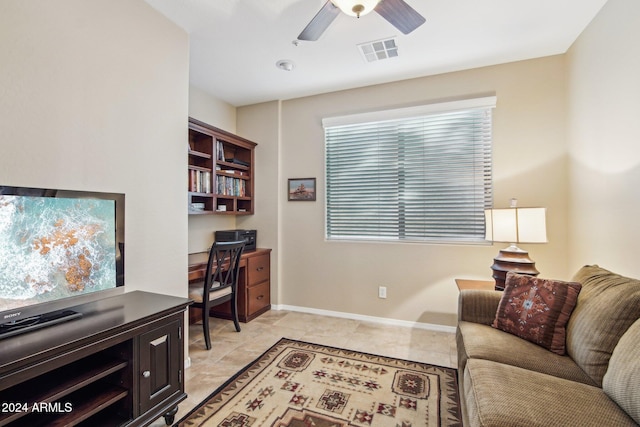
356,8
397,12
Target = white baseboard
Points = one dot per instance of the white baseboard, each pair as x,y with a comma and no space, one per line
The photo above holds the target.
382,320
187,362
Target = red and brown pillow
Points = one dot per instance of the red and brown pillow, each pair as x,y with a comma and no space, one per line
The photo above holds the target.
537,310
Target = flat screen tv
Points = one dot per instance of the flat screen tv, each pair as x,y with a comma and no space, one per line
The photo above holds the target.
58,249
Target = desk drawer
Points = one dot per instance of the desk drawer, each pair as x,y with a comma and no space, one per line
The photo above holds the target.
258,269
259,297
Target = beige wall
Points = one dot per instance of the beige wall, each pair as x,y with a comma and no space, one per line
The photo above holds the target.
93,96
211,110
604,140
261,123
529,163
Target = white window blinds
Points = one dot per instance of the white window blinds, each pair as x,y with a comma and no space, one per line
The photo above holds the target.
415,174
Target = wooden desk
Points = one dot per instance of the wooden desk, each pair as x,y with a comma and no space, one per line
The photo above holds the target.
486,285
254,284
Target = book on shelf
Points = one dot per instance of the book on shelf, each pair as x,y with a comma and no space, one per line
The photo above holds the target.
199,181
219,150
229,186
233,172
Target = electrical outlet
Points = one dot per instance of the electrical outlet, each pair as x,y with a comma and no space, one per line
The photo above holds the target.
382,292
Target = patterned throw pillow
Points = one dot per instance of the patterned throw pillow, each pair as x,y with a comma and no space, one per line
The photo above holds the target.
537,310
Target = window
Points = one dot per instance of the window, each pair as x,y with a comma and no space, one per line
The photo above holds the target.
413,174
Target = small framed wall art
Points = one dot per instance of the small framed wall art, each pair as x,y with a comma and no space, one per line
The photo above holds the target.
302,189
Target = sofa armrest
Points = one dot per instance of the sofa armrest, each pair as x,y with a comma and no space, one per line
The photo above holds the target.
478,306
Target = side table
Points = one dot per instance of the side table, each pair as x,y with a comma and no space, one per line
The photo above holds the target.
486,285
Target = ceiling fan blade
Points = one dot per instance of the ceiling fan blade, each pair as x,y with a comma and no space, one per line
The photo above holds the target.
400,15
320,22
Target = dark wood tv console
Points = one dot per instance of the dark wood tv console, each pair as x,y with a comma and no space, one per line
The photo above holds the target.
120,364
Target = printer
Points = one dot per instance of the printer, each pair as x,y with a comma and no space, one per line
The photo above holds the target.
249,237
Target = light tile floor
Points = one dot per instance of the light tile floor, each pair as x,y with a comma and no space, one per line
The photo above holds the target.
231,351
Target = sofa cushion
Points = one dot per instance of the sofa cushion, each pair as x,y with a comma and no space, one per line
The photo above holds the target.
622,380
478,306
484,342
502,395
537,309
607,305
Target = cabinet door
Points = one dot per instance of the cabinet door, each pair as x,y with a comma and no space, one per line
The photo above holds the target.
258,269
258,297
160,374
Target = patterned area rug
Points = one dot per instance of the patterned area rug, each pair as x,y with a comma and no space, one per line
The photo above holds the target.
298,384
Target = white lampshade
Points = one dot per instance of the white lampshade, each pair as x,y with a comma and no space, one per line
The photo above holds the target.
516,225
347,6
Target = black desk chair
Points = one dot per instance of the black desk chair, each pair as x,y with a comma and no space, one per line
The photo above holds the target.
220,283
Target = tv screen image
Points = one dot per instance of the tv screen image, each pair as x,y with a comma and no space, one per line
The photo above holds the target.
58,249
52,248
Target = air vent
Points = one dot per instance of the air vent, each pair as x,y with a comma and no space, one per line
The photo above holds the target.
379,50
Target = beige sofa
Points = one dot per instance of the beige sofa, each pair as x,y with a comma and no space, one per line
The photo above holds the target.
508,381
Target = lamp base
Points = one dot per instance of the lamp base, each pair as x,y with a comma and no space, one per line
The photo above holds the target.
512,259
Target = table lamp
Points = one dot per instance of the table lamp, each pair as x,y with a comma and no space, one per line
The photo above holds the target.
514,225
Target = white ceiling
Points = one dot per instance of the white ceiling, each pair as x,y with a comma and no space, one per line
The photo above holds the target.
235,44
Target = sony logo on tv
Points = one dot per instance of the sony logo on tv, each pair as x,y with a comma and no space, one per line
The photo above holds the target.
10,315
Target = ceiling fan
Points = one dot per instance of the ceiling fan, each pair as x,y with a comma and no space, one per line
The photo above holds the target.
397,12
